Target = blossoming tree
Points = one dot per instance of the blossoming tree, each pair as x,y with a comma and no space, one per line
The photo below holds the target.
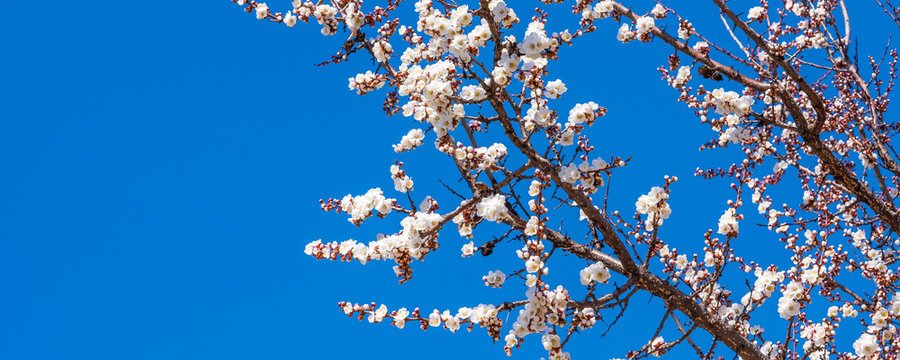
799,97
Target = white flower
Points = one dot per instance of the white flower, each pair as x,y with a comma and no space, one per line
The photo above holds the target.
535,41
365,83
434,319
701,46
866,160
780,166
468,249
535,188
755,13
583,113
625,34
644,25
262,11
787,307
290,20
655,346
866,345
567,137
531,228
658,11
511,340
550,341
728,224
452,323
400,317
534,264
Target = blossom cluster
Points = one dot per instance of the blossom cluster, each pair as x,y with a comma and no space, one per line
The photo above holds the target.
494,278
729,102
788,304
584,113
588,173
492,208
478,158
411,140
402,247
655,205
367,82
728,223
596,272
482,315
402,182
361,207
440,74
600,10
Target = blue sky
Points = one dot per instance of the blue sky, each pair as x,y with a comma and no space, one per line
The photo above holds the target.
163,163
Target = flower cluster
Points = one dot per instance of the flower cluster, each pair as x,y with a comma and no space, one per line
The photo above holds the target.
682,77
430,90
735,135
535,40
533,255
600,10
411,140
655,206
589,173
503,14
540,314
596,272
492,208
443,70
402,182
866,345
478,158
465,221
729,102
472,93
585,113
481,315
756,13
494,278
554,89
788,305
766,283
361,207
817,334
728,223
401,247
366,83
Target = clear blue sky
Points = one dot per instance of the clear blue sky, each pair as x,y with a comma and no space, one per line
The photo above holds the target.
162,163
